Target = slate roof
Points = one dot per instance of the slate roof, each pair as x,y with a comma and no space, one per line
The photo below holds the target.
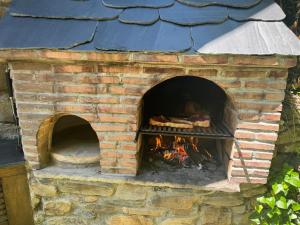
252,27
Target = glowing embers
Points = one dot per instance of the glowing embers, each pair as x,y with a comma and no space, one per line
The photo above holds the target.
175,152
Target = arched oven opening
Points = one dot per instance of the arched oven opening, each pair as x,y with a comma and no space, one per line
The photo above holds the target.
185,127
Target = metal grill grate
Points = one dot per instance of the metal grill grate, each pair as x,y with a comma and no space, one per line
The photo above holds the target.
215,131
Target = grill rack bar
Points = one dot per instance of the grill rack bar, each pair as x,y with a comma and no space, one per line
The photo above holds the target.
215,131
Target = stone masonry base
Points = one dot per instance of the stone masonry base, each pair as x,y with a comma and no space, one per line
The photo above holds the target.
64,200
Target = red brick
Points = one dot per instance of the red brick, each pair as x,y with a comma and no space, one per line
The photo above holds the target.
266,136
56,98
120,137
107,57
53,77
130,100
110,127
74,68
119,69
252,163
259,126
126,156
275,96
289,62
80,89
32,108
260,106
164,70
243,154
205,59
61,55
100,99
252,180
271,116
75,108
23,76
109,80
245,74
137,80
249,95
229,84
31,66
129,147
261,155
241,134
33,87
107,162
203,72
108,154
120,90
123,163
110,118
266,85
160,58
255,60
119,109
256,145
278,74
107,145
249,116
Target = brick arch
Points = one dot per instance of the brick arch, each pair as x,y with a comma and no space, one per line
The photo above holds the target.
45,134
166,77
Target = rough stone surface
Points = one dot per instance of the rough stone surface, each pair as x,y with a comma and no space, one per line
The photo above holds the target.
58,208
43,190
179,221
5,108
82,189
130,192
223,200
129,220
174,202
143,211
160,206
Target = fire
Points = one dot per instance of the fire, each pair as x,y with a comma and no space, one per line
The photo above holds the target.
185,151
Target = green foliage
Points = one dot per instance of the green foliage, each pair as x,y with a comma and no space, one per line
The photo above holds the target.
280,206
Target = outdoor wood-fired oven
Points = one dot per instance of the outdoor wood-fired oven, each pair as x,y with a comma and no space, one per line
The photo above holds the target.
174,102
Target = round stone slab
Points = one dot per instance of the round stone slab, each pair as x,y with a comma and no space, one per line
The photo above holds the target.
138,3
188,16
142,16
230,3
76,151
267,10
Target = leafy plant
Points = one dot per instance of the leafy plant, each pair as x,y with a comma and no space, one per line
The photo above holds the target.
280,206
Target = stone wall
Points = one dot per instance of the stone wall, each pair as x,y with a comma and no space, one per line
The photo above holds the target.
4,6
80,201
3,215
5,108
105,89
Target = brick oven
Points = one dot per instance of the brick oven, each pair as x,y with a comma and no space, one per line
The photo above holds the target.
86,91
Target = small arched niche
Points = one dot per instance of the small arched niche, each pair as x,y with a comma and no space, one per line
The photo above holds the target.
74,142
183,97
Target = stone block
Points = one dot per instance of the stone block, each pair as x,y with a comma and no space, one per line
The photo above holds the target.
5,108
57,208
43,190
179,221
209,214
90,199
174,202
143,211
254,191
67,221
87,189
129,220
223,200
130,192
